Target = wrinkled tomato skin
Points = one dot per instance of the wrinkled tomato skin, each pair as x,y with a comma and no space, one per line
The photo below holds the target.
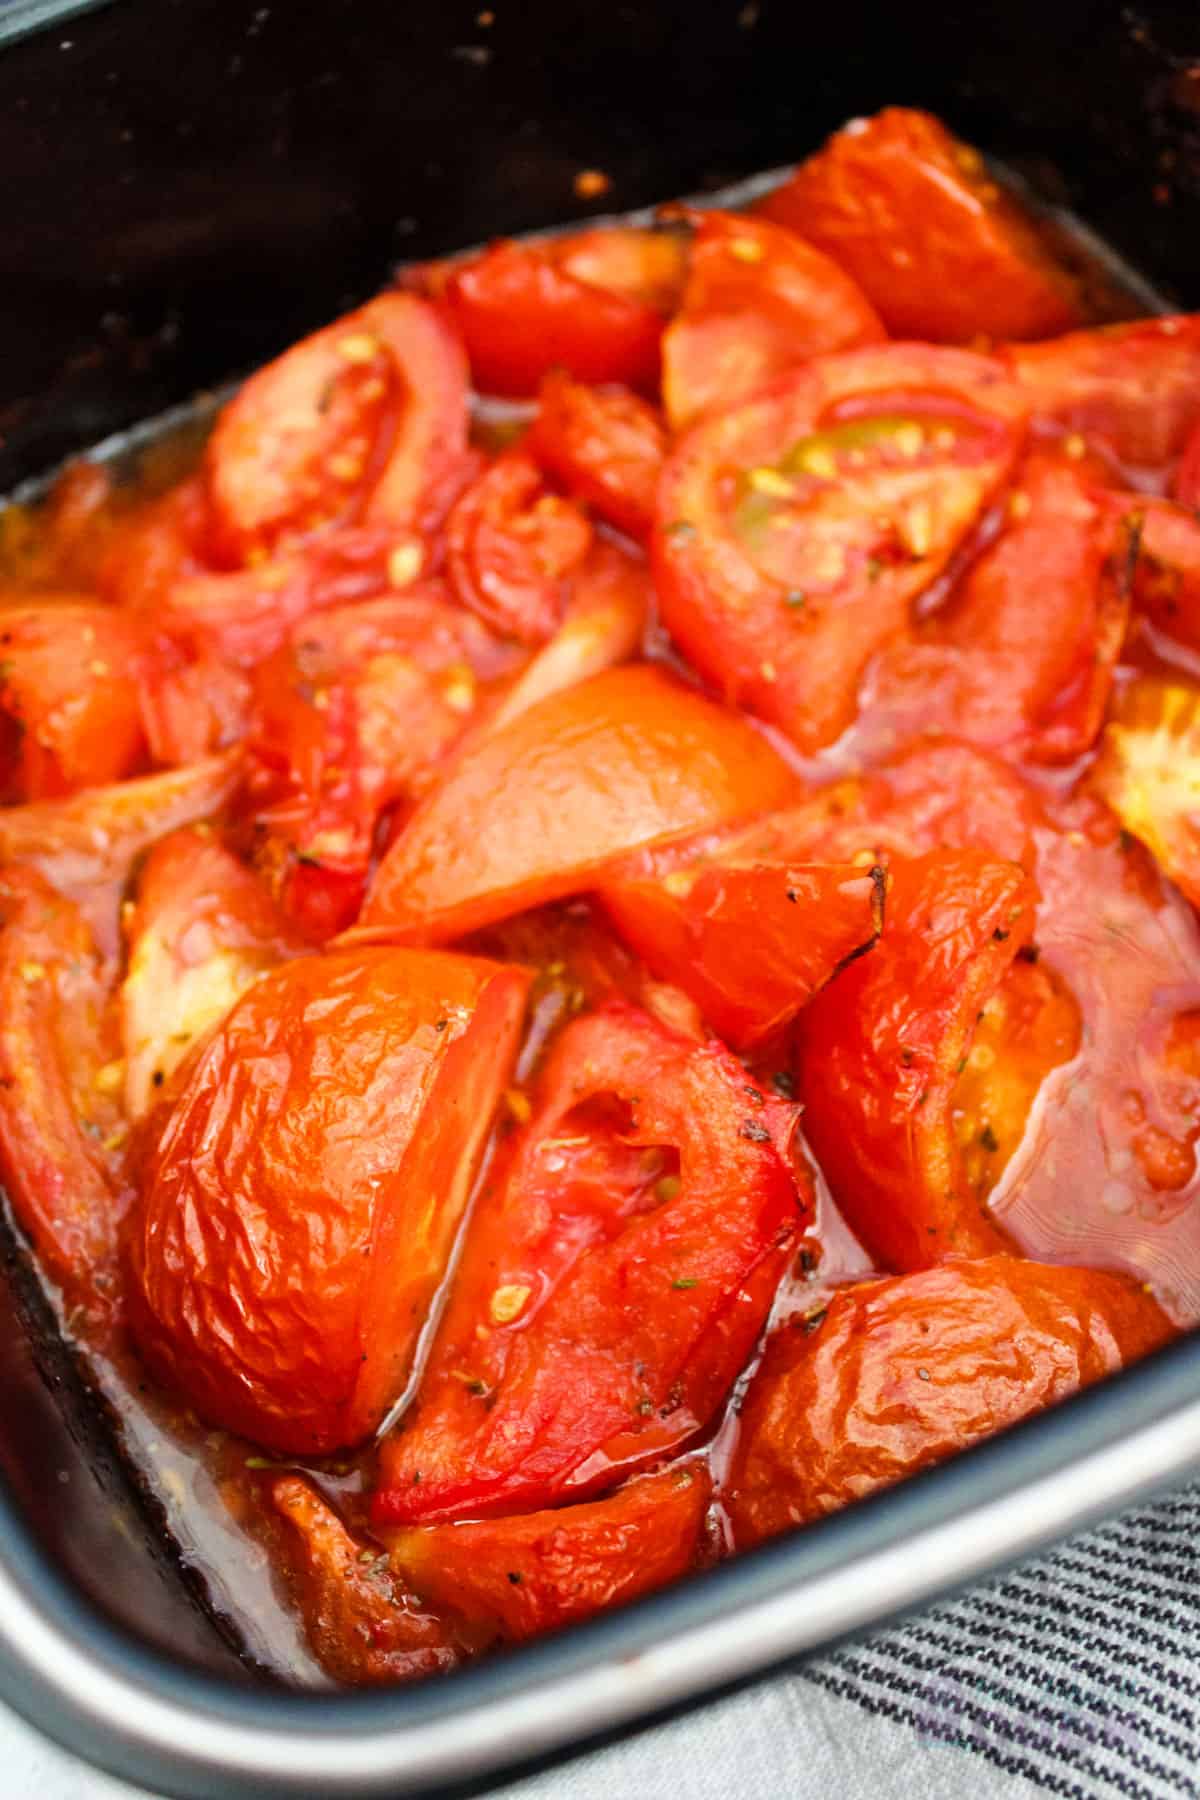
520,314
540,1571
201,929
914,217
362,1623
759,301
60,1126
616,1275
69,683
627,758
898,1374
1132,390
511,547
881,1050
299,1206
998,666
364,422
604,445
750,943
785,621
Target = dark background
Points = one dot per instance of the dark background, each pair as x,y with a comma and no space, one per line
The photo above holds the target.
190,183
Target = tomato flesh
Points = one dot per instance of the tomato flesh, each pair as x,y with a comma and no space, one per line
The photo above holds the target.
605,445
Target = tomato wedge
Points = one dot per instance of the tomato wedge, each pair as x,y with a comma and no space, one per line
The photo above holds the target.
640,262
543,1570
1132,390
604,445
1117,1126
750,942
627,758
510,547
61,1131
915,217
300,1204
364,421
759,302
614,1280
69,695
795,532
201,930
361,1621
1163,558
997,665
521,313
86,846
891,1376
883,1047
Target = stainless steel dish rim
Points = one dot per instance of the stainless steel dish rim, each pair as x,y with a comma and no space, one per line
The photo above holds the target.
102,1694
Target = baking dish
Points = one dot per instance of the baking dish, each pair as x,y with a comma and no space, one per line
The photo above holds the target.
179,166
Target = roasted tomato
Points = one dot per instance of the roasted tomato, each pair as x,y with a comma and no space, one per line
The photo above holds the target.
200,931
615,1278
362,1622
884,1046
891,1376
351,717
997,665
542,1570
86,846
1132,390
510,547
161,542
1162,557
1186,485
1116,1127
759,301
366,421
61,1130
915,217
628,758
642,263
1149,773
795,532
299,1206
602,627
68,694
604,445
750,942
521,312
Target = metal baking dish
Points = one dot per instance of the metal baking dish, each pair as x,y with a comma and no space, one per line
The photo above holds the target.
191,184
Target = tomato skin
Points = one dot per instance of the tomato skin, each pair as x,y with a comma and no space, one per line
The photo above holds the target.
750,942
362,1624
1186,485
337,1097
898,1374
759,301
86,845
1163,556
996,665
543,1570
60,1126
604,1303
912,215
200,931
604,445
69,682
881,1050
1133,390
588,774
364,421
510,547
783,611
521,313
